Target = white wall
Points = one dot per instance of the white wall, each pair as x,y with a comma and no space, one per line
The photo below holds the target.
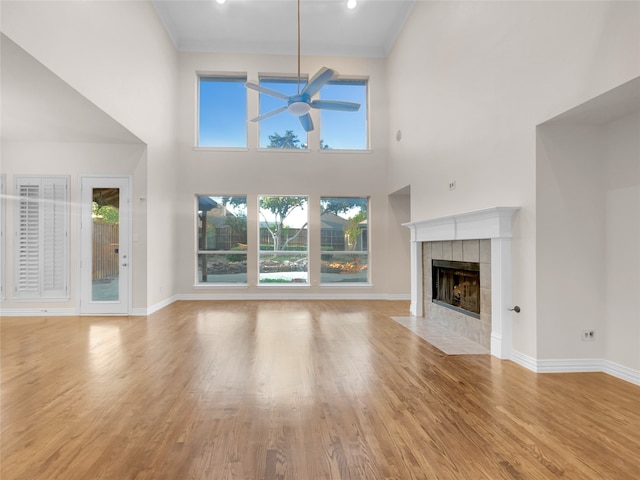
469,82
46,158
588,242
117,55
315,173
570,242
621,162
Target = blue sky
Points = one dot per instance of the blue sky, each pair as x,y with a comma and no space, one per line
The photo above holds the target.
222,116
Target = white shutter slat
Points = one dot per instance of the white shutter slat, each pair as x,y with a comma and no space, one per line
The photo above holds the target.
28,239
42,251
54,236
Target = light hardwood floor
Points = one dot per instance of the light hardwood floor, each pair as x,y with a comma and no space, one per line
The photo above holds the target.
294,390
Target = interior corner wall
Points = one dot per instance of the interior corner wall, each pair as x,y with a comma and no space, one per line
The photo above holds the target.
570,241
399,212
118,55
621,162
468,83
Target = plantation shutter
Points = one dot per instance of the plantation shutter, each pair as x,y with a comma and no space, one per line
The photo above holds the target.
42,238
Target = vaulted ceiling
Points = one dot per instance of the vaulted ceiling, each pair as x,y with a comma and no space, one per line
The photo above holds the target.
328,27
39,106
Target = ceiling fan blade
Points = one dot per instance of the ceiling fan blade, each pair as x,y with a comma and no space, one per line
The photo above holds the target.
306,122
318,81
266,91
335,105
269,114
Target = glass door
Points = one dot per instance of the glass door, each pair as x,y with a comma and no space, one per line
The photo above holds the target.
105,260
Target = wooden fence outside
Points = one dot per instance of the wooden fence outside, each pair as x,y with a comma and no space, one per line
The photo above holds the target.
105,250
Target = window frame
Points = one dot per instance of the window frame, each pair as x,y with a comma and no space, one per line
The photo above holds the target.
260,252
198,251
220,76
367,118
285,78
366,252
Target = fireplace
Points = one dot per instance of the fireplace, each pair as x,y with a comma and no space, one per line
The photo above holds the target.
456,285
454,238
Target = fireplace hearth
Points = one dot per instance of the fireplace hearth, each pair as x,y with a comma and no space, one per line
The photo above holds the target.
456,285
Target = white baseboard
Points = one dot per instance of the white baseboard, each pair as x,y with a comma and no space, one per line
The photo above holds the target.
141,312
576,366
273,295
38,312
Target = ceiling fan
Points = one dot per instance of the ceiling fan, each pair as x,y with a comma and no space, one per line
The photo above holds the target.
300,103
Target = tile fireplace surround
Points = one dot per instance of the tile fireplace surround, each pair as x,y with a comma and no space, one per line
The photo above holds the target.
473,251
490,231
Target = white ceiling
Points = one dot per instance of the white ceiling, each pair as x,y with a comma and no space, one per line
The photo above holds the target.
328,27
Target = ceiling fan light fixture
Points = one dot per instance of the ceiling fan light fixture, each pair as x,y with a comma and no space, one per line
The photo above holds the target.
299,108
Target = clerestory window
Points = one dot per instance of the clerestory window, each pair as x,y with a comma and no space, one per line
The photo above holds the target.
222,111
283,130
344,130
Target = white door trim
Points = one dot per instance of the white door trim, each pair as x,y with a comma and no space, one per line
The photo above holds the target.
86,305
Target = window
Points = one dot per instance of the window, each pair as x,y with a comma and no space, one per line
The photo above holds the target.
344,130
42,239
284,129
344,240
222,114
222,239
284,254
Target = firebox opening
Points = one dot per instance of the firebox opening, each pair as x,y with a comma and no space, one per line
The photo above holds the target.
456,285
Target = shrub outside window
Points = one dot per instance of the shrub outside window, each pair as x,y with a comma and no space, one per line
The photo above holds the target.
222,239
344,240
222,113
284,253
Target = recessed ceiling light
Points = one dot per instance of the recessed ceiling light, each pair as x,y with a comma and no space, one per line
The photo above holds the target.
221,1
351,4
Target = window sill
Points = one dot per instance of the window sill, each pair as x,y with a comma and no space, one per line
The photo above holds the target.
330,151
220,149
26,299
209,286
346,285
323,151
283,150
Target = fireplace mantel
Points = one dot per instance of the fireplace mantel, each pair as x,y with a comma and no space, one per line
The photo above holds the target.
488,223
492,223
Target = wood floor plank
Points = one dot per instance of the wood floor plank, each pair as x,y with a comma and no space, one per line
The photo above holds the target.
299,390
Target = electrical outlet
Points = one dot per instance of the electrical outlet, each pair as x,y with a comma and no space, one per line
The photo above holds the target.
588,335
452,185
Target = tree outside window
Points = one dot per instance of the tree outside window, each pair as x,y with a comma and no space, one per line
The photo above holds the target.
283,239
